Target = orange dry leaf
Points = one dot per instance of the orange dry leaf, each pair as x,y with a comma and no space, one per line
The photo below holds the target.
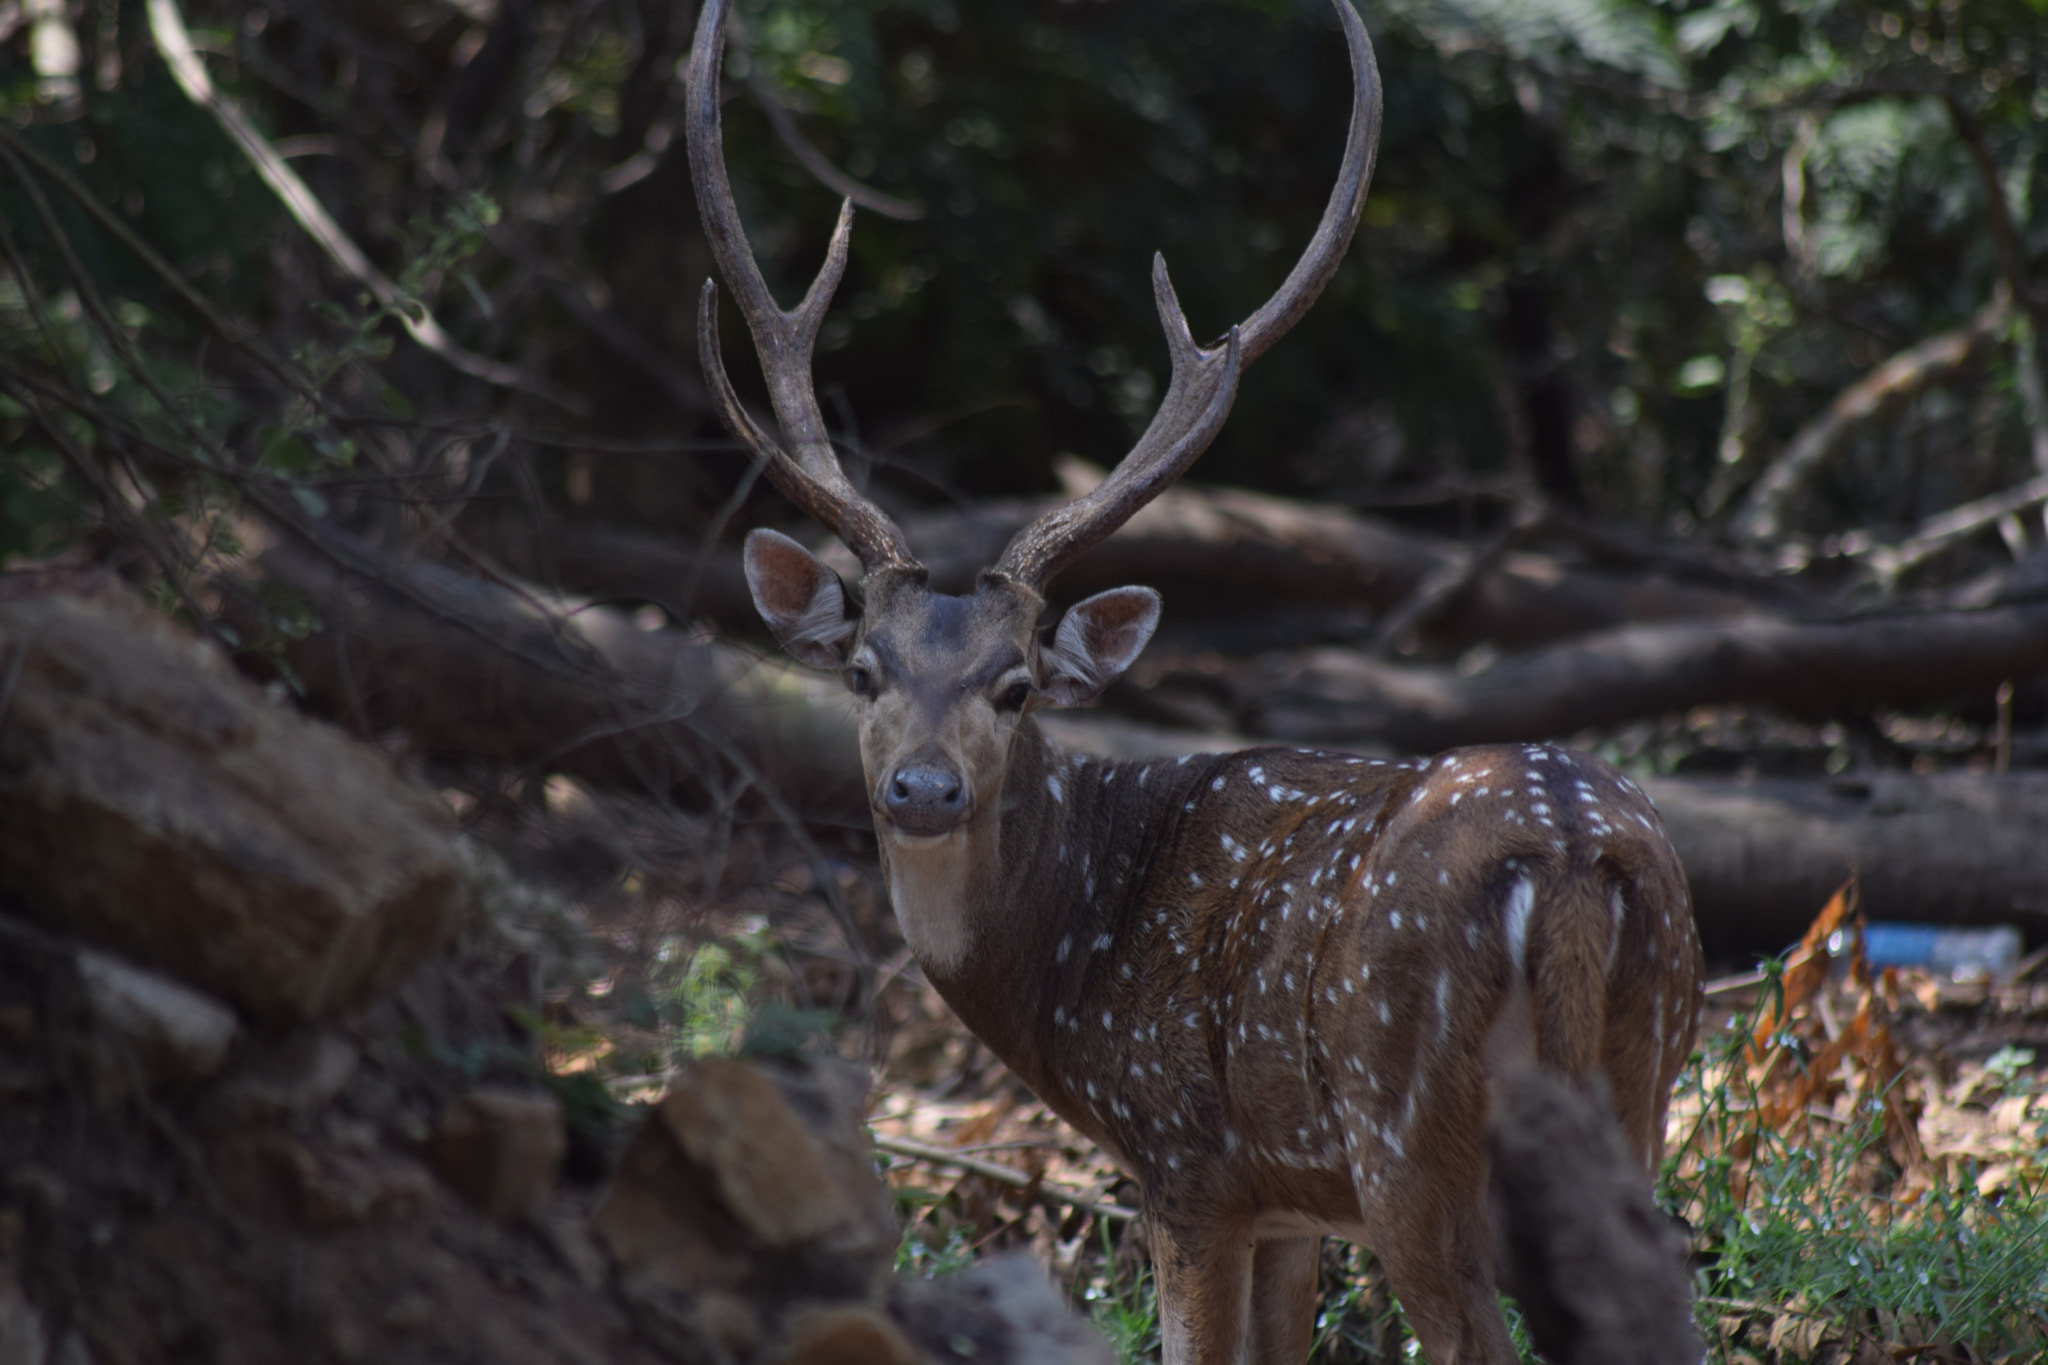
1861,1056
1806,970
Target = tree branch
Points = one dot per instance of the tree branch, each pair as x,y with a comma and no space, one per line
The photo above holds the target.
1762,517
174,44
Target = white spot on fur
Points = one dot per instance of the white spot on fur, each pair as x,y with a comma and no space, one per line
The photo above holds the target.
1521,900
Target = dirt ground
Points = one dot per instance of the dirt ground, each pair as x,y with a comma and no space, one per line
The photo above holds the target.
291,1211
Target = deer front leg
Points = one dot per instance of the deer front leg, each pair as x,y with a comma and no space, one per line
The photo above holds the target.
1204,1274
1284,1282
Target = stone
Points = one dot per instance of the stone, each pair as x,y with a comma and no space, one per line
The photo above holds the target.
173,1033
156,804
289,1078
748,1176
1599,1272
845,1334
501,1149
23,1340
1000,1311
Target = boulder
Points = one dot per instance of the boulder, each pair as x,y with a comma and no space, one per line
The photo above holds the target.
160,806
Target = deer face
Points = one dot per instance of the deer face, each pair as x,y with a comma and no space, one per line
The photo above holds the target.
941,682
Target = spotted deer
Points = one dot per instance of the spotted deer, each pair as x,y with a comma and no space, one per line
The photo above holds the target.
1275,985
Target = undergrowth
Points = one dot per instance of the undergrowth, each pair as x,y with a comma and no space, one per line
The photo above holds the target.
1814,1237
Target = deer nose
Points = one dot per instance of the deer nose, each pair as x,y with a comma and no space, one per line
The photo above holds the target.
926,798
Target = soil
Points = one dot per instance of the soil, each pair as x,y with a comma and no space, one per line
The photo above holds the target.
290,1210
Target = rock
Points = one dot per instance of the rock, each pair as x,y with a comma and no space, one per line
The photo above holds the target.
174,1033
1001,1311
22,1338
158,805
289,1078
501,1149
845,1334
341,1189
750,1177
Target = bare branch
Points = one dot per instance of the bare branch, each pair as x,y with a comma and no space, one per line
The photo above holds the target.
1762,516
174,43
813,160
1939,532
1057,1195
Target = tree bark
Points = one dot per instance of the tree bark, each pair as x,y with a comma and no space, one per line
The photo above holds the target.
1950,848
1214,553
474,671
1802,668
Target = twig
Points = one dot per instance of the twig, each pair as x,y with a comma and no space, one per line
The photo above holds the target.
1762,515
1729,985
174,43
1004,1175
1943,529
813,160
235,334
1436,593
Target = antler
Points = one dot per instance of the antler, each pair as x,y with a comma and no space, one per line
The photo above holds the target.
808,473
1205,378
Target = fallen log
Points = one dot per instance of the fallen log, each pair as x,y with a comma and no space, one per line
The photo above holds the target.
1816,669
1215,553
482,672
478,671
1947,848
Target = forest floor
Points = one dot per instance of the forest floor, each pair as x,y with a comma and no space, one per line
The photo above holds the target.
1899,1097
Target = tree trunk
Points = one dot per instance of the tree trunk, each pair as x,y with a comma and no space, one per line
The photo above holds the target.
474,671
1827,668
1952,848
1214,553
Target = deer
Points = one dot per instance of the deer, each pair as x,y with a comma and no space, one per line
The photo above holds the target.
1279,986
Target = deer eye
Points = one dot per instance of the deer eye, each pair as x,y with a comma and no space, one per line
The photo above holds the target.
860,681
1014,696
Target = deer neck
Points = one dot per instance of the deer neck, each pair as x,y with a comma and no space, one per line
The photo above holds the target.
994,911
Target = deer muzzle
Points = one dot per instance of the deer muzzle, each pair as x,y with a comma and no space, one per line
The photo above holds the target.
926,796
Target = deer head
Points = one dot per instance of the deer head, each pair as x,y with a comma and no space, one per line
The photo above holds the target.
943,682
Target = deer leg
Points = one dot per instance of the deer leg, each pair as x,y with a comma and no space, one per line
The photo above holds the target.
1284,1276
1441,1264
1205,1278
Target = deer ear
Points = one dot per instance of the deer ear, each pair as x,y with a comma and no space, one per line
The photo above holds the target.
1097,640
800,599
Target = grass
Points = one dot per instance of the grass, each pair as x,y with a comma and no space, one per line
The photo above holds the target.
1814,1235
1811,1235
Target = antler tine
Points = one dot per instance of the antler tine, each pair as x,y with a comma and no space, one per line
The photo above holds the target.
1204,382
808,472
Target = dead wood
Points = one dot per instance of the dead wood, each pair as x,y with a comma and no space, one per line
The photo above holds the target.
1802,668
1933,361
1214,553
1946,848
478,671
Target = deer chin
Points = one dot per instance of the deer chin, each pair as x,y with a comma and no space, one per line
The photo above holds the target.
929,878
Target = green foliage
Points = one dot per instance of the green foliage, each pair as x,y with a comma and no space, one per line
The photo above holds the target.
1565,185
1122,1300
1804,1236
917,1255
703,993
1569,193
